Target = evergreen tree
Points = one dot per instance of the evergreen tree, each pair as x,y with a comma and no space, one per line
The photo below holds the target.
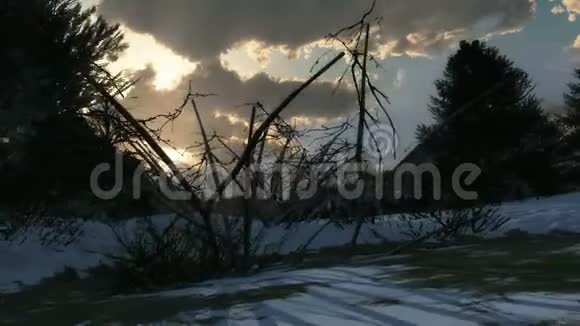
49,48
485,113
568,159
571,119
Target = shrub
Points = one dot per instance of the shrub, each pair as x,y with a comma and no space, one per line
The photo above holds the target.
34,221
154,259
453,224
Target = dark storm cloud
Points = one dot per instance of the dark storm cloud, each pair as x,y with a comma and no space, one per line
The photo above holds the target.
203,29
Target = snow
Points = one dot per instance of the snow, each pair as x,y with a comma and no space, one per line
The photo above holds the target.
359,296
28,262
535,216
570,250
346,296
544,215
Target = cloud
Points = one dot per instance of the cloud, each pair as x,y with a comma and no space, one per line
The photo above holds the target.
225,112
572,7
575,49
145,51
558,9
204,29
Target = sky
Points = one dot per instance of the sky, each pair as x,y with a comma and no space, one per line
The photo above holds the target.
260,50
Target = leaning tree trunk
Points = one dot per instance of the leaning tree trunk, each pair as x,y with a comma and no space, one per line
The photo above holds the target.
360,133
154,145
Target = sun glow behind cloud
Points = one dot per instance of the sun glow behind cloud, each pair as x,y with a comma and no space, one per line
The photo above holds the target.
144,51
169,67
252,57
180,156
231,118
247,59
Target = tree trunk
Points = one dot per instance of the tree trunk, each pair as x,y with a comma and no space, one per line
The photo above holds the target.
361,128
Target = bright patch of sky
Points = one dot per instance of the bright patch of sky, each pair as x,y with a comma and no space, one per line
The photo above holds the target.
145,51
90,3
248,59
169,67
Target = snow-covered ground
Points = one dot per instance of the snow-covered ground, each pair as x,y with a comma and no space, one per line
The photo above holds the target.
535,216
364,295
361,296
27,262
